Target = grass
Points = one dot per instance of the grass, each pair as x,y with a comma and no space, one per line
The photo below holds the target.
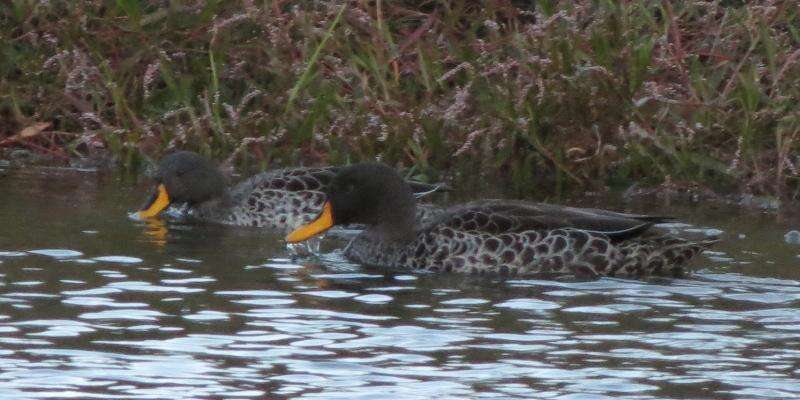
543,97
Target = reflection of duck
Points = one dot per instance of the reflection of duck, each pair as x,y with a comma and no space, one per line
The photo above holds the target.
156,232
280,199
492,236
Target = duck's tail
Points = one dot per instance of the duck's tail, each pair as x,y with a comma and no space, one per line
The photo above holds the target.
663,255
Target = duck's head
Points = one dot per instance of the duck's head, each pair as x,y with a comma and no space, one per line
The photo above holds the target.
371,194
183,177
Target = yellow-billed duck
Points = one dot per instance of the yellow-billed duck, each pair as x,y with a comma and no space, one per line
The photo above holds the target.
512,238
281,199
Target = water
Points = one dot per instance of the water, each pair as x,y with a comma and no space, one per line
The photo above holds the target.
93,305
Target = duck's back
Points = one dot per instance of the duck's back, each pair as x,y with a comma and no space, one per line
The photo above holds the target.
522,238
508,216
280,199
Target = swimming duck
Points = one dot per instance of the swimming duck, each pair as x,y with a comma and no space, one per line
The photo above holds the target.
281,199
512,238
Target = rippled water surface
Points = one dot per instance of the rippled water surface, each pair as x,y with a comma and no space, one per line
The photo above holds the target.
93,305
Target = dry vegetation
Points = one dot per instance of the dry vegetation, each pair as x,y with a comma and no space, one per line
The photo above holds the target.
542,96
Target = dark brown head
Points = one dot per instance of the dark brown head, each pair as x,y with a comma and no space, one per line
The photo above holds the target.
371,194
184,177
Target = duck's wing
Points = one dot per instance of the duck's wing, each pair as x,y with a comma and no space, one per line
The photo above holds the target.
280,199
505,216
291,180
315,179
318,179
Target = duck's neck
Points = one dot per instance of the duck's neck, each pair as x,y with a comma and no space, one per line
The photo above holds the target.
215,209
396,228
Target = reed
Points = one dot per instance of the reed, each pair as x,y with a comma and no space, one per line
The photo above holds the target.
544,97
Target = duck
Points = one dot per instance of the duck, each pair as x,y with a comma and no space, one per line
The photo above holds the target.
514,238
281,199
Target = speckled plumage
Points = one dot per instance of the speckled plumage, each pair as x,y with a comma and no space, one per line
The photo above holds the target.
280,199
504,237
438,248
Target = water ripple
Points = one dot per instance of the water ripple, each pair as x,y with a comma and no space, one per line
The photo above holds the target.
213,312
56,253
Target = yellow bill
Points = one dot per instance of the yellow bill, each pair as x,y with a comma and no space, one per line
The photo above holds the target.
315,227
159,204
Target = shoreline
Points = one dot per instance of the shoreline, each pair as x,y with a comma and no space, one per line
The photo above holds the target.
685,193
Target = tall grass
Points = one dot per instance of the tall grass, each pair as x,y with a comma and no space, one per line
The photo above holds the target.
543,96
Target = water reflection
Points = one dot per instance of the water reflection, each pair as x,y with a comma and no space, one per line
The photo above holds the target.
156,231
217,312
